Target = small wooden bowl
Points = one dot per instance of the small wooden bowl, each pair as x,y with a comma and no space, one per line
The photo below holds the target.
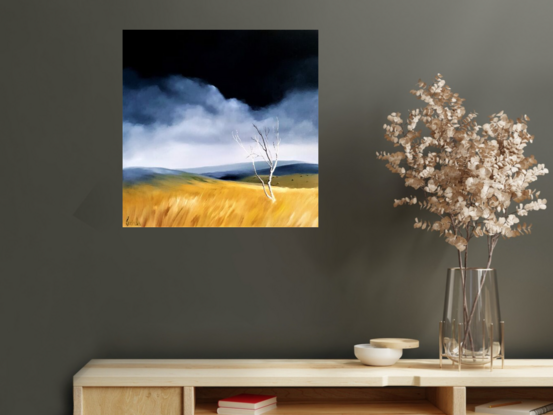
395,343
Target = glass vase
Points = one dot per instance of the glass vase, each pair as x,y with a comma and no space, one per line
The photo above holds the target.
471,332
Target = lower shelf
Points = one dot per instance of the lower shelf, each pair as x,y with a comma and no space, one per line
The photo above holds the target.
346,401
442,400
333,408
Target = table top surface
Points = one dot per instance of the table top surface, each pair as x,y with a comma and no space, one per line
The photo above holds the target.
306,373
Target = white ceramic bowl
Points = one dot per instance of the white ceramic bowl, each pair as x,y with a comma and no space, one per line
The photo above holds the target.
376,356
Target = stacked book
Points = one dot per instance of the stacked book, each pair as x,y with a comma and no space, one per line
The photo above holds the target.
515,407
247,404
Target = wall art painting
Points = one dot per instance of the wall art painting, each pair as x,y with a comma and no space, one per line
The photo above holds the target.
220,128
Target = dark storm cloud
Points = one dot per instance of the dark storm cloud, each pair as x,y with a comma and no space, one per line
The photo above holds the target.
256,67
170,100
161,100
185,92
179,122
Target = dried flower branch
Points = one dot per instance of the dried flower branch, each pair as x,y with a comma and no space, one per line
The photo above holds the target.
475,178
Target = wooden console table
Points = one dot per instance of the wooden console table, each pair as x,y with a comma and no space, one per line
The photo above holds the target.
321,387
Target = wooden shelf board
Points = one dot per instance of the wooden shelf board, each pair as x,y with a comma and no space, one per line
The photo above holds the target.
308,373
322,394
334,408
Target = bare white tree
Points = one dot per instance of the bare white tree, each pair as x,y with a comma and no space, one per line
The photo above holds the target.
265,149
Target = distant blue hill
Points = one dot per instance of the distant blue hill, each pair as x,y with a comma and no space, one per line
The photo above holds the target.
237,167
142,174
132,175
246,170
299,168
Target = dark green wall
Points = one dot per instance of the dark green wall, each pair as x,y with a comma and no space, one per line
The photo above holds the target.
74,285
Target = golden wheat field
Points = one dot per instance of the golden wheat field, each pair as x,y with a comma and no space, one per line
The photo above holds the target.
218,204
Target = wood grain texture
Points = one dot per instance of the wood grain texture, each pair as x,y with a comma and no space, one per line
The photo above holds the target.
482,395
331,408
189,400
450,400
132,401
395,343
336,395
298,373
77,400
470,409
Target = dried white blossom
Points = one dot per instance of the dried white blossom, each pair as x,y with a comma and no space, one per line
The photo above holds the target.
475,178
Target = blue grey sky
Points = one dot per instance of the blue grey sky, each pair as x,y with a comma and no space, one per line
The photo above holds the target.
179,123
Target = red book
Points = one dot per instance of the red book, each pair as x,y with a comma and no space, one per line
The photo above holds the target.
247,401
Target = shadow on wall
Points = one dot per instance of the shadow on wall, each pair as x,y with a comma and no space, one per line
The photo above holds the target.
359,219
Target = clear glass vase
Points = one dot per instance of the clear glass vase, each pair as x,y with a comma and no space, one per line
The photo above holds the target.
471,331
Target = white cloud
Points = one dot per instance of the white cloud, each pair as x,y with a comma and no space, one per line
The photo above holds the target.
184,124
